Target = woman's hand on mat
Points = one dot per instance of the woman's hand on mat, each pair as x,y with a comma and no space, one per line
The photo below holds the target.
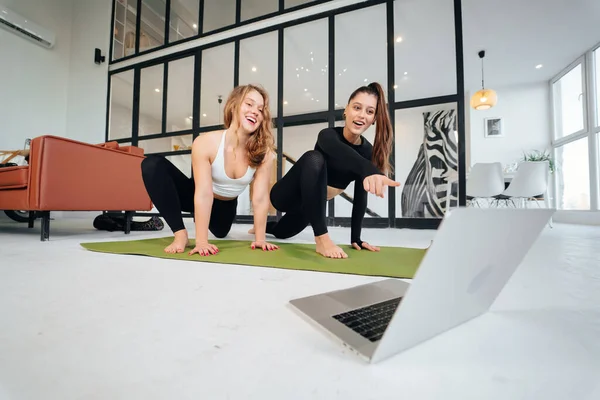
204,249
263,245
376,184
365,245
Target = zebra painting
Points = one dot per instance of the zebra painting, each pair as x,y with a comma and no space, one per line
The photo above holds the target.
425,188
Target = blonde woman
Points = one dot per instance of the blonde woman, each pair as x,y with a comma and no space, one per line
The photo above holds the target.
223,165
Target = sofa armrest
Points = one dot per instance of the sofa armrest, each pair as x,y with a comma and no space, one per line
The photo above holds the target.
127,149
67,175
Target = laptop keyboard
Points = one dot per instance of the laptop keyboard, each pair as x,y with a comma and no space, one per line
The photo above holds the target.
371,321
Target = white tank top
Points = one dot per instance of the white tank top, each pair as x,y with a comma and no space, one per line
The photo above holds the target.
222,184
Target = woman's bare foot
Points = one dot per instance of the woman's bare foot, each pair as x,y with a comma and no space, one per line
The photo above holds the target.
327,248
251,231
180,242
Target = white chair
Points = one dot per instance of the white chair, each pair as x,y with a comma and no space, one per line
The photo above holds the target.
486,180
451,179
529,183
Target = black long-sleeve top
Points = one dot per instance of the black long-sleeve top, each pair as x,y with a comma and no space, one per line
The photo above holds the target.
347,162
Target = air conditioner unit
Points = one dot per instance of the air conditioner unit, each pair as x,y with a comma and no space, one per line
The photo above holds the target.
26,28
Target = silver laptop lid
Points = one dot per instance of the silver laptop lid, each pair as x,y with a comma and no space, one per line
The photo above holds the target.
473,255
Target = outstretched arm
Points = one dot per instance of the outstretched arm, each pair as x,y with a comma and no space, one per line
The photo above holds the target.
260,202
203,194
343,156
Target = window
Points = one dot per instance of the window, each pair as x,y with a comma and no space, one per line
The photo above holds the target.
216,83
295,3
425,53
351,70
152,33
257,8
258,65
172,101
305,62
121,105
218,14
597,75
573,175
569,103
125,29
426,160
151,100
180,95
184,19
167,144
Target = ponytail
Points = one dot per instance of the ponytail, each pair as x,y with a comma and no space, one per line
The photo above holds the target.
382,146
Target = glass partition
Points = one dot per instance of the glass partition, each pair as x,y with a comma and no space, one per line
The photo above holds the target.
152,33
166,144
151,100
257,8
295,3
218,14
180,95
425,53
350,74
216,83
305,68
258,64
125,29
183,19
121,105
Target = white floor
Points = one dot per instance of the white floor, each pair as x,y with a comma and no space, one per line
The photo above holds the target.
81,325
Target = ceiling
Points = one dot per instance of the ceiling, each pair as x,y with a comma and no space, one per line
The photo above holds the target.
516,36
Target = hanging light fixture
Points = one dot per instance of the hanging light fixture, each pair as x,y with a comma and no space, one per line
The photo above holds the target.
483,99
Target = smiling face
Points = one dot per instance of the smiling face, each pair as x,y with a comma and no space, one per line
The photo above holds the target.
360,113
251,111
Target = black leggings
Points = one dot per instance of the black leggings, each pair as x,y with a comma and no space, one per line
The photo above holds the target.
302,194
172,192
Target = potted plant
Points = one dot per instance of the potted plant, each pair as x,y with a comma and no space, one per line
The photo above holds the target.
537,155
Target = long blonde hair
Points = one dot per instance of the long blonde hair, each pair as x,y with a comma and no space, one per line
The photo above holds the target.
260,141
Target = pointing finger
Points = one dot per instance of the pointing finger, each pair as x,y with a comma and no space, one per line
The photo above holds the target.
390,182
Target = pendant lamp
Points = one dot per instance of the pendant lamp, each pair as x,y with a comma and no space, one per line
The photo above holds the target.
483,99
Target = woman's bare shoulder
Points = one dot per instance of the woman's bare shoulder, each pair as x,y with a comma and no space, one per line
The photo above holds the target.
207,142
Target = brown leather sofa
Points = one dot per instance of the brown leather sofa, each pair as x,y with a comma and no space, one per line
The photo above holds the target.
67,175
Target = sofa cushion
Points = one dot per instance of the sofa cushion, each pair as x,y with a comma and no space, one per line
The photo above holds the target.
14,177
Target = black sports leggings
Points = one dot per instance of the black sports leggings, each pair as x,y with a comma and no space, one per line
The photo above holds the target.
172,192
302,194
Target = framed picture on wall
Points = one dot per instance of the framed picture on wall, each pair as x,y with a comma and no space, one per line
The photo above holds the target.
493,127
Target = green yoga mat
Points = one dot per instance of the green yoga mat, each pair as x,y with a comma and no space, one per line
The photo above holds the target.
398,262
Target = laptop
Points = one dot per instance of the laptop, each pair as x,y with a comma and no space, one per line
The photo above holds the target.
473,255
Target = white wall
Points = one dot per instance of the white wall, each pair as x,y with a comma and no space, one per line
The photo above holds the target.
86,107
525,111
58,91
35,79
